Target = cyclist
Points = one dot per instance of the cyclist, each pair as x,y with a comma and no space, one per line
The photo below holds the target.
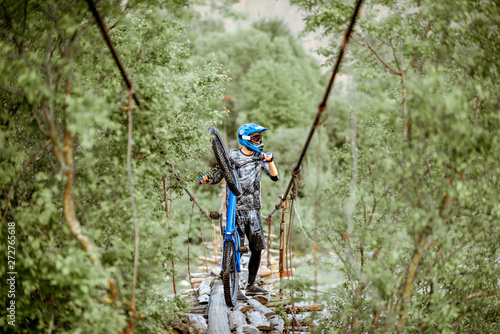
248,204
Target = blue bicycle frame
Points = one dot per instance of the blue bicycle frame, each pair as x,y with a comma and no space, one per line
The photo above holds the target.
231,228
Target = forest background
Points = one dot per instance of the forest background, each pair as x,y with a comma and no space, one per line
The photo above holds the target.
401,181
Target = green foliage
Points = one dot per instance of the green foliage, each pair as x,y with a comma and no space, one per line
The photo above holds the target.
58,80
412,211
275,82
273,27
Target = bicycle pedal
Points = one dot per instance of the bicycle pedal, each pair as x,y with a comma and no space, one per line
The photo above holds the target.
214,215
243,250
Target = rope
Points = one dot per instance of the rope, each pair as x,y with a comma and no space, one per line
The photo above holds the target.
323,106
104,32
282,245
189,233
168,217
165,195
300,223
316,223
269,221
214,239
203,242
289,243
191,196
293,198
202,212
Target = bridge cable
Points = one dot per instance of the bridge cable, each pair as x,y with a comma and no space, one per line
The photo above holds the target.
104,32
323,106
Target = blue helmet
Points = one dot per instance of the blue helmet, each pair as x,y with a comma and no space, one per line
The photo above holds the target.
245,139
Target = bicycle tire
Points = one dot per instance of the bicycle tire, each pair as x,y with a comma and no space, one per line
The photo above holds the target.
229,173
230,276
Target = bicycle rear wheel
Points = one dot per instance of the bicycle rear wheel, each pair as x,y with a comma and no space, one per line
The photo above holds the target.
220,152
230,276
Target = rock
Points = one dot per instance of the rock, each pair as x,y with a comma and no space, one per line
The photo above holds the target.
259,320
204,290
181,327
243,307
247,329
237,319
277,323
263,299
197,323
261,308
215,271
264,271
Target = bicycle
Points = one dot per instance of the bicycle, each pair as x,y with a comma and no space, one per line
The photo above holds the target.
232,250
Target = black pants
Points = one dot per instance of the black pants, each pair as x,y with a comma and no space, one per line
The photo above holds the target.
253,266
248,223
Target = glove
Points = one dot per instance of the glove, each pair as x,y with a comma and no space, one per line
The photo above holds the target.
205,178
267,154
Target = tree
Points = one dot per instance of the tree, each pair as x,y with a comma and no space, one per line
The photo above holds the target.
416,225
78,152
275,82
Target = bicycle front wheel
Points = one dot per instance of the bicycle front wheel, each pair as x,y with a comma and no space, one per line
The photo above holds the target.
230,277
220,152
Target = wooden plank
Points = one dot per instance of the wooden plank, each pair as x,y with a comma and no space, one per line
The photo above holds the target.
217,311
210,259
199,275
195,281
298,328
198,309
188,292
304,308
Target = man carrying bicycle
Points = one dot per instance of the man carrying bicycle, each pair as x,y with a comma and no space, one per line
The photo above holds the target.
248,204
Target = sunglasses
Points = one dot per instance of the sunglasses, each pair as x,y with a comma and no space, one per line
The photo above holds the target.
256,138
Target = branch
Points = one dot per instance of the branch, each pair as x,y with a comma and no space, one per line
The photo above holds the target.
70,215
482,294
382,61
104,32
396,58
191,196
425,35
412,270
327,235
470,238
374,198
478,108
354,178
65,159
367,44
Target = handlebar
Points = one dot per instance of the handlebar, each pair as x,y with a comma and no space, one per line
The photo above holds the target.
238,165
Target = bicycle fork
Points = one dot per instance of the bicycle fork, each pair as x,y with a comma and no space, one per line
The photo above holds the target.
231,232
